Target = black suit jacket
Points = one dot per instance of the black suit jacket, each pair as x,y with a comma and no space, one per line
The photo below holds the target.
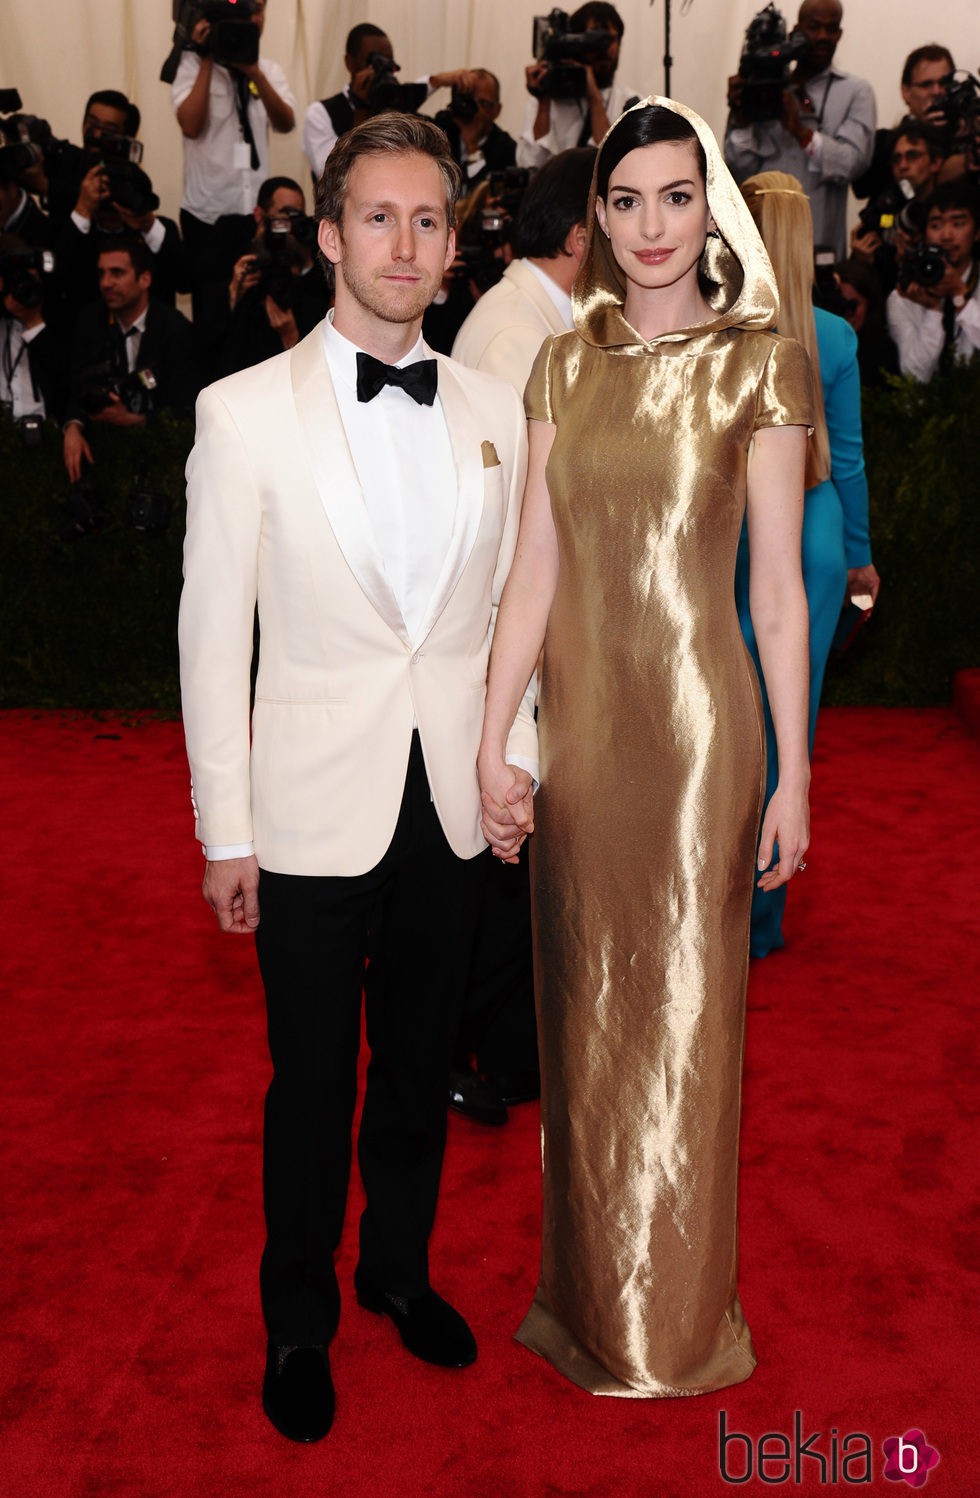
168,348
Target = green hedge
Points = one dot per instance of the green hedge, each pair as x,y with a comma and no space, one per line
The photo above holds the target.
90,621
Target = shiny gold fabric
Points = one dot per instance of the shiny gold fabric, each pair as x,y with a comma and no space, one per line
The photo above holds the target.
652,778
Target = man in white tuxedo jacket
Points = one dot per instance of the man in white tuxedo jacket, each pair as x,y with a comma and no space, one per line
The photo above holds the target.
365,494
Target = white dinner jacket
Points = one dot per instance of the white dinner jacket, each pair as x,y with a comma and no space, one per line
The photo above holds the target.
505,330
275,515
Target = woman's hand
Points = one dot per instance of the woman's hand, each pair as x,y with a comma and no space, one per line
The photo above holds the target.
787,821
508,806
863,580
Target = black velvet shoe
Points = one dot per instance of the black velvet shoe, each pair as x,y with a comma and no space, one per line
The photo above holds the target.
428,1325
297,1393
474,1098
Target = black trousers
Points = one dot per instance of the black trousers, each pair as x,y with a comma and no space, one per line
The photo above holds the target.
411,918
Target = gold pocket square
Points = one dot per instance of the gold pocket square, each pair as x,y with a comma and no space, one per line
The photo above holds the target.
490,459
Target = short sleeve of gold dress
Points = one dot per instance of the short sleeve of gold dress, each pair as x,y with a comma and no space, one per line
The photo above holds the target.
643,858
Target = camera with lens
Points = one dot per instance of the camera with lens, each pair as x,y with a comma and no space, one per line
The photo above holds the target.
147,510
21,271
462,106
24,138
507,187
566,53
961,106
763,67
895,208
100,381
233,39
120,157
826,288
278,255
385,93
925,265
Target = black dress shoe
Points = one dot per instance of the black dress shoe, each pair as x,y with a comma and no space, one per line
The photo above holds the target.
427,1324
516,1087
474,1098
297,1393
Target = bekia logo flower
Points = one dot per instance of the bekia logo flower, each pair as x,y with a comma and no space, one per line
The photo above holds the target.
909,1458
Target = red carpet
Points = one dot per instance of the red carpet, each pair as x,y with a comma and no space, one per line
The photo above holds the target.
133,1070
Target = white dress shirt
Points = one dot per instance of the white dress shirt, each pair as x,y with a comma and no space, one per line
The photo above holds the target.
568,117
556,294
918,334
218,177
16,385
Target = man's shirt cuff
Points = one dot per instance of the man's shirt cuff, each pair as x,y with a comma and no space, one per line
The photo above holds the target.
217,853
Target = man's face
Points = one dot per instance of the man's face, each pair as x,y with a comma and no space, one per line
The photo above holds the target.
394,243
911,162
927,86
123,291
102,119
487,100
820,22
955,231
284,202
604,66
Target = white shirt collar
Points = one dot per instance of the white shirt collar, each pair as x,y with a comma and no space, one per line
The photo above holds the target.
558,294
342,355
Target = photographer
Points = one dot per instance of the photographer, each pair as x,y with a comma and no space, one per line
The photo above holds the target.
479,145
19,214
926,76
372,89
824,135
225,111
894,220
554,123
936,318
75,174
132,356
32,364
276,293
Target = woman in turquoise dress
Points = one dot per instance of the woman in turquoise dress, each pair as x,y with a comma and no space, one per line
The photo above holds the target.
836,549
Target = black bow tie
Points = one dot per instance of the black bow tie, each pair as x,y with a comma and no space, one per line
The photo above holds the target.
417,380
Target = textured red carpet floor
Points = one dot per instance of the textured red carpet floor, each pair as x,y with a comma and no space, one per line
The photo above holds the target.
133,1067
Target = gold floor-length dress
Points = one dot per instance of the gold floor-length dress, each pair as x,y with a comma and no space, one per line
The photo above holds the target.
652,771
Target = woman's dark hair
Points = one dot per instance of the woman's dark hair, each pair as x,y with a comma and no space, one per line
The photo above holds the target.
645,127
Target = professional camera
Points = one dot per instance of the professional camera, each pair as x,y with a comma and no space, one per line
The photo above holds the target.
961,107
764,65
895,208
566,54
147,510
925,265
462,106
129,185
507,187
826,287
24,138
278,256
386,93
16,267
233,37
100,381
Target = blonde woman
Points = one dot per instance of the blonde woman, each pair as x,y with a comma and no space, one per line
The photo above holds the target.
836,548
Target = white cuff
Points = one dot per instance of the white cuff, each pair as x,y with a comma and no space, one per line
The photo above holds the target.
154,237
82,224
218,853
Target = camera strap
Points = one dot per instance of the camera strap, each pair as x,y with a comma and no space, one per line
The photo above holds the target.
242,103
11,365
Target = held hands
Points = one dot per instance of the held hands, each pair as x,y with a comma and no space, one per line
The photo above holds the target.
231,888
787,821
508,807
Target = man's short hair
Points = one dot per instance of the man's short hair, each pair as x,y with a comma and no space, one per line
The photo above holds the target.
555,201
932,52
111,98
960,194
921,135
384,135
358,34
133,245
271,186
606,17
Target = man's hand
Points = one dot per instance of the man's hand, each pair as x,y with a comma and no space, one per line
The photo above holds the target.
864,243
93,192
76,449
792,118
735,83
139,223
464,80
115,414
534,76
244,276
508,807
231,888
282,322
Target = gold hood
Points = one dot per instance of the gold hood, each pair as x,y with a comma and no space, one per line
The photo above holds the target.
744,293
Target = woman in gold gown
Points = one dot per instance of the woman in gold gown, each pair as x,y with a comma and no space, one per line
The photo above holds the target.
669,409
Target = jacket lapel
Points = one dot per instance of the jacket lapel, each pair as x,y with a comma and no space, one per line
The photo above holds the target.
336,477
465,437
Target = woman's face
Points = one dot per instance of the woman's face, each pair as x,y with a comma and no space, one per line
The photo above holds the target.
656,214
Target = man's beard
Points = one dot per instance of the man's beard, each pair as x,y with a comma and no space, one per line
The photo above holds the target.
395,304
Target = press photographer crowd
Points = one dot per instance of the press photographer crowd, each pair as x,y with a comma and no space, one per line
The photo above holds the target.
91,271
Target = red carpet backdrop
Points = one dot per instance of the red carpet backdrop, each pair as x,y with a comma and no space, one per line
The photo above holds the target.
133,1071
